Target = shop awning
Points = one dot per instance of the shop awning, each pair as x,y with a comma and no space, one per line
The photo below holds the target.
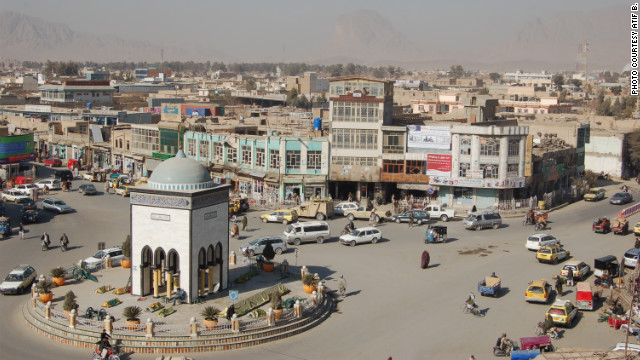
252,173
272,178
409,186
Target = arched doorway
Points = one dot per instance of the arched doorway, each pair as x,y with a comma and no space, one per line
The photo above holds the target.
173,271
202,271
211,262
159,262
146,274
218,266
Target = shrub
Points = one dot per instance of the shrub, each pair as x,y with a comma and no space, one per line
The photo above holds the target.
268,252
310,279
126,247
70,301
57,272
210,312
44,286
132,312
276,300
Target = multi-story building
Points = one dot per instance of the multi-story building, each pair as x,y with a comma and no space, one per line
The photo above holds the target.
546,105
444,104
83,91
308,84
359,107
264,168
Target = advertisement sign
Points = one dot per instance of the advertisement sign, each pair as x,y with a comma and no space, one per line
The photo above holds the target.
429,137
170,110
38,108
528,152
478,183
438,165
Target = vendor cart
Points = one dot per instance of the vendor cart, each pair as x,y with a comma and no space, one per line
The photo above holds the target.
490,286
602,225
536,342
620,226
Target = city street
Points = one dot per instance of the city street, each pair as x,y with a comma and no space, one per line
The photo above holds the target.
393,307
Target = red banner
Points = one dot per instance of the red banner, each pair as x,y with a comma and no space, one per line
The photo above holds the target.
438,165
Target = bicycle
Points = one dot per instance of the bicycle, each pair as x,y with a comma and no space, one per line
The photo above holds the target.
472,310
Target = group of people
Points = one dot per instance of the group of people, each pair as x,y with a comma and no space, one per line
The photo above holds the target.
235,229
46,240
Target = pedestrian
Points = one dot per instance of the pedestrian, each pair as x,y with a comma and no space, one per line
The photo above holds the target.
372,217
244,223
350,197
106,187
230,311
410,219
235,231
425,260
342,285
559,286
570,277
474,209
21,231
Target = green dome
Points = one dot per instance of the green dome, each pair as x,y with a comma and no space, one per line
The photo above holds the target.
180,173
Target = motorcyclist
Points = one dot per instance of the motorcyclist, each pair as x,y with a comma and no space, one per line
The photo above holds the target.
547,325
542,222
505,344
471,301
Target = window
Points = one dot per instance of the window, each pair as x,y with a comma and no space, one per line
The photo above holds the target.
393,166
514,147
314,159
204,149
259,157
489,171
352,160
464,170
218,151
393,143
354,139
191,147
512,170
232,155
274,159
293,159
356,112
246,155
416,167
489,147
462,192
465,145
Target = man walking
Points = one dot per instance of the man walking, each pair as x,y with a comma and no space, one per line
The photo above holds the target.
21,231
342,285
410,219
244,223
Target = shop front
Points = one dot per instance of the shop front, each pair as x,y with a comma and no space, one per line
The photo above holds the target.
315,186
293,189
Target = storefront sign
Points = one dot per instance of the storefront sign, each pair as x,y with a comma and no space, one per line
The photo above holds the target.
438,165
429,137
528,152
478,183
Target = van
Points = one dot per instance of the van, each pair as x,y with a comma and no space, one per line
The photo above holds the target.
482,219
606,266
316,231
631,257
584,296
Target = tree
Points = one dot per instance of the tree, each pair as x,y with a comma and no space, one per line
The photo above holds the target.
379,73
456,71
494,76
577,83
483,91
268,252
292,95
558,81
634,148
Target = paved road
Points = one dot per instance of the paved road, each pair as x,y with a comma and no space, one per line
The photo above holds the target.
393,308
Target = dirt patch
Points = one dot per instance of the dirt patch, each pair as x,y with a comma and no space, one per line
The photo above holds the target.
480,251
491,246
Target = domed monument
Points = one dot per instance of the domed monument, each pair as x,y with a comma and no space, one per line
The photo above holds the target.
179,231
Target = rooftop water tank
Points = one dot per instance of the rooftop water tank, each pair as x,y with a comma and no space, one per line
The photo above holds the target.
317,124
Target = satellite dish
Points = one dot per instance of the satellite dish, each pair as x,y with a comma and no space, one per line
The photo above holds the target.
216,288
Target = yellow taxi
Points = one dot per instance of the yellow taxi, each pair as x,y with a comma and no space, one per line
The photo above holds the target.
538,291
234,207
636,229
594,194
284,216
562,312
551,254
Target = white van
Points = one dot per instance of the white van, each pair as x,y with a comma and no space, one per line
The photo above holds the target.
300,232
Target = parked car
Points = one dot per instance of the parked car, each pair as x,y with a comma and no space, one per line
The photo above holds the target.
57,205
538,291
438,212
631,257
535,241
63,175
551,254
341,207
636,229
52,184
98,258
594,194
257,246
621,198
483,219
284,216
419,217
25,189
87,189
18,280
52,162
562,312
14,195
580,269
361,236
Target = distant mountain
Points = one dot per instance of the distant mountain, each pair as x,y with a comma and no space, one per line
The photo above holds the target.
30,38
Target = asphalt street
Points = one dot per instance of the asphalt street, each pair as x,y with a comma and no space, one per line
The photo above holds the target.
393,307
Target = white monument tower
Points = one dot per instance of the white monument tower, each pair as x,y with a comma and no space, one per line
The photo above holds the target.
179,231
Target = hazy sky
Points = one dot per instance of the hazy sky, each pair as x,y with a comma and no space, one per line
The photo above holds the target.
260,29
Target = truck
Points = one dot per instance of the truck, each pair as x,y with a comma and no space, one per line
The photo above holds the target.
438,212
363,213
320,209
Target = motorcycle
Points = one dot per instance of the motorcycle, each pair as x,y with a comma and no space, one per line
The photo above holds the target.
552,332
498,351
473,309
540,226
110,353
347,229
603,176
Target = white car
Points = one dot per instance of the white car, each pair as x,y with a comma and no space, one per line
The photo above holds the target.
14,195
98,258
52,184
57,205
25,189
535,241
18,280
343,206
361,236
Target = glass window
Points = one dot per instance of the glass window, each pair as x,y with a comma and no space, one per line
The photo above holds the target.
514,147
274,159
246,155
232,155
465,145
416,167
314,160
191,147
489,147
204,149
293,159
512,170
462,192
490,171
259,157
219,152
464,170
393,143
393,166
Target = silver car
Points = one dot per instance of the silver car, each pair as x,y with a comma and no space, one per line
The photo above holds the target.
56,205
257,246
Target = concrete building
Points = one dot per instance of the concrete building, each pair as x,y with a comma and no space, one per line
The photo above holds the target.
179,232
73,91
606,152
529,79
359,108
308,84
445,103
546,105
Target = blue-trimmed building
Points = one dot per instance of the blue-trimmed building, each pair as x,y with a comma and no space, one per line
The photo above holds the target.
265,168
